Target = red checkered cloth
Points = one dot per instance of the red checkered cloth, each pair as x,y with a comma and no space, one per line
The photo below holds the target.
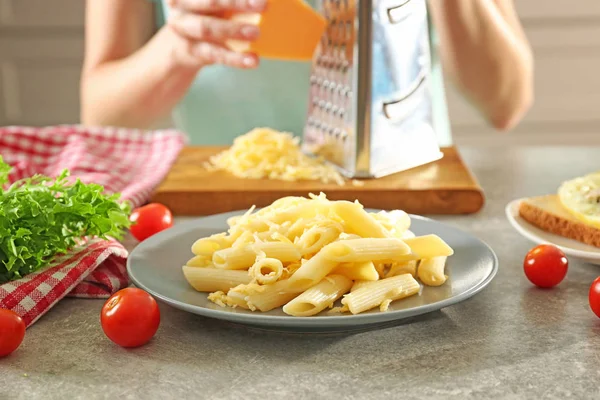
131,162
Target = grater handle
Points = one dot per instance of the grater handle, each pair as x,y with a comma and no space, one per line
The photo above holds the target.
398,13
399,109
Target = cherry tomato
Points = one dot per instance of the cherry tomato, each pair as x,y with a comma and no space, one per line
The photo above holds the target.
545,265
149,220
130,317
12,331
594,296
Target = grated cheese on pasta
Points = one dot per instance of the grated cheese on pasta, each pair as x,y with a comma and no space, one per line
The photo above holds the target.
267,153
311,245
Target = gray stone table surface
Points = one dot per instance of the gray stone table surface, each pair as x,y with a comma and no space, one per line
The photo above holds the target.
511,341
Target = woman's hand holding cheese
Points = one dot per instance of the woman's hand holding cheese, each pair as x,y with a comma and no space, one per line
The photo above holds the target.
201,24
133,76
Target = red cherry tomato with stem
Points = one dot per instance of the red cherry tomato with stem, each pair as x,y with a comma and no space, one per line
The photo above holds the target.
12,331
149,220
545,265
130,317
594,296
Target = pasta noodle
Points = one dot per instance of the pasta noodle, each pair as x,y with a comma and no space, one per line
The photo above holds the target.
319,297
361,250
207,246
359,221
211,279
317,237
408,267
312,272
244,257
200,261
431,271
263,298
267,270
305,254
374,294
358,271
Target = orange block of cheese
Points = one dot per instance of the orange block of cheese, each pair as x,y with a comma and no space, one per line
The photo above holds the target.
289,30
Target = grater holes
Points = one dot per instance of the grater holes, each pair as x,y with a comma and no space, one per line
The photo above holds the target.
332,28
341,32
337,133
328,129
334,109
331,87
349,30
343,51
324,42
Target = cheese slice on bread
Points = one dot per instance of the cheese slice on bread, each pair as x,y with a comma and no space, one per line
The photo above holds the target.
549,214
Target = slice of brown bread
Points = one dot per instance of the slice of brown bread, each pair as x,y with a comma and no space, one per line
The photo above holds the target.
548,214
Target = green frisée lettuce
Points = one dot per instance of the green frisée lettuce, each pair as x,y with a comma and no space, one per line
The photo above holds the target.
41,217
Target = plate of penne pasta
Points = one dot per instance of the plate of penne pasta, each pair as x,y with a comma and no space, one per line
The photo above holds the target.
312,262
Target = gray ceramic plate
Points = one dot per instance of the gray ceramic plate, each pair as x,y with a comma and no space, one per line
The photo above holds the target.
155,266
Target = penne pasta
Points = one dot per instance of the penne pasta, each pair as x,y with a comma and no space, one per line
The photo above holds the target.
316,238
303,254
318,297
358,271
359,284
358,221
200,261
207,246
379,292
236,299
408,235
312,272
428,246
397,222
346,236
212,279
408,267
431,271
267,270
244,257
382,268
234,258
263,298
368,249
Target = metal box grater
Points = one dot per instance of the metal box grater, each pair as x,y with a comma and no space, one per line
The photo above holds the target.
370,109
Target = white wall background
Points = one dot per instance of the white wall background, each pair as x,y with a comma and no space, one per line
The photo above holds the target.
41,46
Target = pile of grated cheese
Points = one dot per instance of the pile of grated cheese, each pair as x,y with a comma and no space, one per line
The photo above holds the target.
267,153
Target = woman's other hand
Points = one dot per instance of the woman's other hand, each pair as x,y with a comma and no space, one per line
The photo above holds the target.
485,51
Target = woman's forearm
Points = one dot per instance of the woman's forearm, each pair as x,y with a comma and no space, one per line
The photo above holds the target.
138,90
487,56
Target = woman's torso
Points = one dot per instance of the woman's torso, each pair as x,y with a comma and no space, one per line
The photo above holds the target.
224,102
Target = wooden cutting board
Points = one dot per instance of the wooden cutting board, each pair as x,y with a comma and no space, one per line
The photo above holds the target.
443,187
